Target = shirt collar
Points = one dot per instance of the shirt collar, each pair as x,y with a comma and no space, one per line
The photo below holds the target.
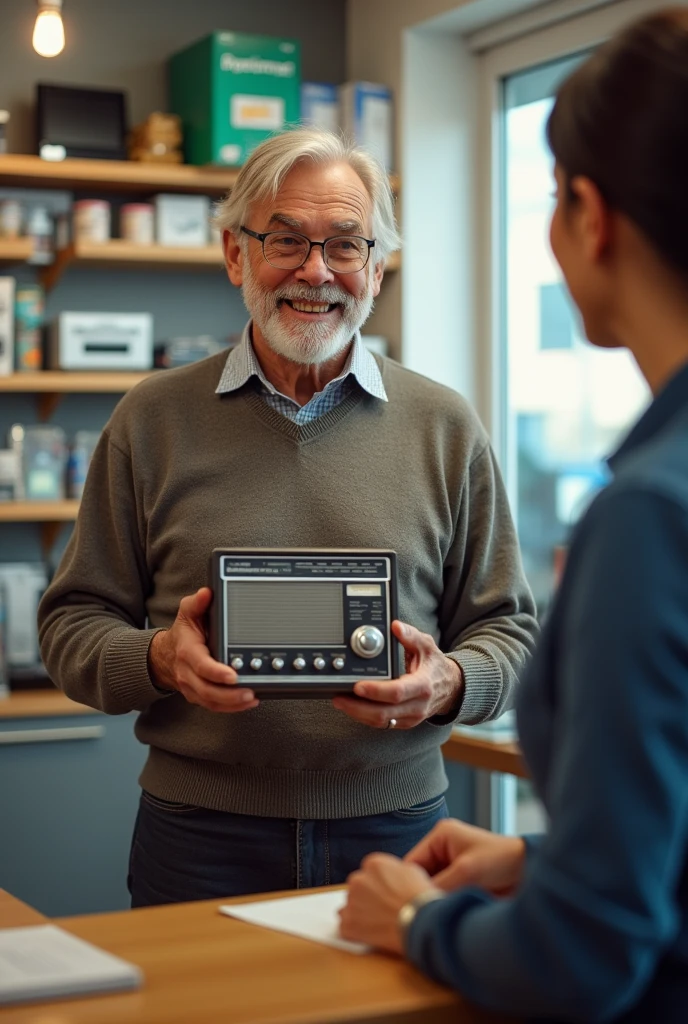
672,399
242,364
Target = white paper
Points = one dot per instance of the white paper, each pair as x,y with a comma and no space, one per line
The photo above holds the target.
312,917
45,962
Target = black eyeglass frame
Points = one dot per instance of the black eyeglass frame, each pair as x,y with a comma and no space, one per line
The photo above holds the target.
260,236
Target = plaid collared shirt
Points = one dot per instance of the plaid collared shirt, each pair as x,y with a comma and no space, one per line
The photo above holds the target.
242,364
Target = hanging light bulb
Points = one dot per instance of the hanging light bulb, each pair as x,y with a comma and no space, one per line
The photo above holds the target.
48,33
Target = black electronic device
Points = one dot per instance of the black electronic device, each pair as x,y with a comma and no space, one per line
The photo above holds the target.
80,122
296,622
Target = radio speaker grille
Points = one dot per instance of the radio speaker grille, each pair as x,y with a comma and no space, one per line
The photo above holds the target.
284,613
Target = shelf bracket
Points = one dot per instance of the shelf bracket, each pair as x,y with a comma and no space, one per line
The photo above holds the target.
47,402
49,534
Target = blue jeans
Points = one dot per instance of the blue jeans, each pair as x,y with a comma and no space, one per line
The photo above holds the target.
180,852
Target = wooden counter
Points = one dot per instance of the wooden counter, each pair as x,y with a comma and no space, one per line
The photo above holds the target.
15,914
486,754
40,704
203,968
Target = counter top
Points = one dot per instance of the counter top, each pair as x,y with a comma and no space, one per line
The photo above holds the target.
40,704
491,756
15,914
201,967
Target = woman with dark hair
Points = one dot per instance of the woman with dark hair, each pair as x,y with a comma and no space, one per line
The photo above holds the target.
590,923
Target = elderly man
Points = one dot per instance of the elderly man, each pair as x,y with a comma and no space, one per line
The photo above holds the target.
301,438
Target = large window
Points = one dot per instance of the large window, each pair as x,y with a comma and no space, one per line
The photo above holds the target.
567,402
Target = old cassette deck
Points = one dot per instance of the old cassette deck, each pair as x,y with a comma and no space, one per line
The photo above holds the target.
304,622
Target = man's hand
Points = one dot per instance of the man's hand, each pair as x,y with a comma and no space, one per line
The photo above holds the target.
432,685
377,892
179,659
454,855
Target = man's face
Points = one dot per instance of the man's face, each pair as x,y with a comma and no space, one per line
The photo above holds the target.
318,202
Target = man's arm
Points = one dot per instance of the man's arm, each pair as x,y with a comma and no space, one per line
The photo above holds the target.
92,616
487,615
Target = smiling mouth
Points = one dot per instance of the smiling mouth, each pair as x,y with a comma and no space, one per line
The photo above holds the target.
311,307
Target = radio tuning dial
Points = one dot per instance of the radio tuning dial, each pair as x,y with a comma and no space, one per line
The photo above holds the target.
237,664
338,663
320,664
256,664
299,664
277,664
367,641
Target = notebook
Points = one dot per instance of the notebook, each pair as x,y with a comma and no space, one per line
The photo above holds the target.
45,962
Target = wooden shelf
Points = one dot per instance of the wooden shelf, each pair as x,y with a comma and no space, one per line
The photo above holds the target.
41,704
38,511
52,515
15,250
114,175
485,754
123,254
62,382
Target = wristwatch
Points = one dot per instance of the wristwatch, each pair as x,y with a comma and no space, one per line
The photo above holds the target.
409,910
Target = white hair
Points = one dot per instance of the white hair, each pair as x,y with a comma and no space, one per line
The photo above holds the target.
262,176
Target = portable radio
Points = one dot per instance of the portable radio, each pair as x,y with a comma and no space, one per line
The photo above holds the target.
297,622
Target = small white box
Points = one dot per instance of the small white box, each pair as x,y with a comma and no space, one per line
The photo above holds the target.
23,583
101,341
182,220
6,326
367,118
320,105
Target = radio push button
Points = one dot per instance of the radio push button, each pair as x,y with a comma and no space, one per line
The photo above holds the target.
338,663
237,664
367,641
277,664
320,664
256,664
299,664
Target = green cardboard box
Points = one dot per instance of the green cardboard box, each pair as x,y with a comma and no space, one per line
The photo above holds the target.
233,90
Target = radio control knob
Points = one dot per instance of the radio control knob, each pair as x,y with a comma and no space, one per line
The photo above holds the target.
320,664
299,664
237,664
338,663
367,641
277,664
256,663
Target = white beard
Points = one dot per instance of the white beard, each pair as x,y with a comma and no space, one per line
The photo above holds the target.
304,343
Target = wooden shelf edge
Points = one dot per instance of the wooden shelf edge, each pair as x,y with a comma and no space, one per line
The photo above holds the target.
76,382
23,169
39,511
120,253
15,250
41,704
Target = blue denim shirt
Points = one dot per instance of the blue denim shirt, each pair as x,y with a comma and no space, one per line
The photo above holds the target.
599,927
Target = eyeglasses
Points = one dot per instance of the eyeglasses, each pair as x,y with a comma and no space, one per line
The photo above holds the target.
289,250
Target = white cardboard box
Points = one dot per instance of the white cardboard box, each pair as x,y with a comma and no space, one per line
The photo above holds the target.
6,326
320,105
101,341
182,220
367,118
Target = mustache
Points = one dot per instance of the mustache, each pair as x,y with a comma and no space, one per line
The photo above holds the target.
302,293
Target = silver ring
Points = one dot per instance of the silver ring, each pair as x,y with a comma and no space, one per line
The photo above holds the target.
392,724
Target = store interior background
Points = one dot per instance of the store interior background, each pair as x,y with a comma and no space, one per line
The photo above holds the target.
433,312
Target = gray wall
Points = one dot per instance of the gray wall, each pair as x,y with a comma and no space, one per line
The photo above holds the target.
123,44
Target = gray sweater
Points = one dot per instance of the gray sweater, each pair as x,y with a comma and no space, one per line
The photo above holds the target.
180,470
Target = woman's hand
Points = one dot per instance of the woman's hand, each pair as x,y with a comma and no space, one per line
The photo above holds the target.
377,892
455,855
